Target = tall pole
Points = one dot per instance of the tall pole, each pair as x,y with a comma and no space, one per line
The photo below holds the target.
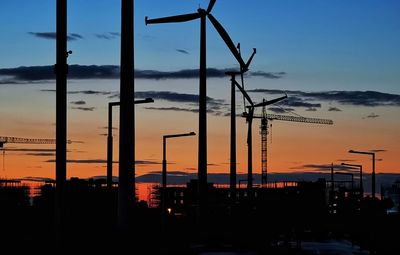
250,152
202,157
373,168
361,183
164,176
233,137
109,148
373,175
61,70
126,187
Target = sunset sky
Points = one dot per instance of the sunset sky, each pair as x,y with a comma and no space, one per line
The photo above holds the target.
337,60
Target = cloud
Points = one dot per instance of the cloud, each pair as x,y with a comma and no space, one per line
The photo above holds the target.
36,73
269,75
299,102
52,35
311,109
280,109
357,98
334,109
322,167
182,51
114,128
41,154
103,161
31,150
108,35
80,102
181,109
371,116
86,109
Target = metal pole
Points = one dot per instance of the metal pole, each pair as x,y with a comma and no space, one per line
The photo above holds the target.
109,149
373,175
233,137
361,183
126,187
164,177
202,160
61,70
332,183
250,154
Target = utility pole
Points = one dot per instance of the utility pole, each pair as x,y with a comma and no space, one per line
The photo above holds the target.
61,70
126,186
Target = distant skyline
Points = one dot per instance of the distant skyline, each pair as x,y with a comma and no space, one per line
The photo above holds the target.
324,54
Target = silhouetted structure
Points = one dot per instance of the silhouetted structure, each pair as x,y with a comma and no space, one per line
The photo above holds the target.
126,185
110,138
373,168
61,70
202,14
361,177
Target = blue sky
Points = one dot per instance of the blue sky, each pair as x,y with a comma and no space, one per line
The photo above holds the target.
350,43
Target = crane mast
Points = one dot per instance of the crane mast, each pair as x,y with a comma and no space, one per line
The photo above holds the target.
264,135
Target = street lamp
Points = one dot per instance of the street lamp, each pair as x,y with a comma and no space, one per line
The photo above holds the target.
373,167
110,138
352,178
164,164
361,177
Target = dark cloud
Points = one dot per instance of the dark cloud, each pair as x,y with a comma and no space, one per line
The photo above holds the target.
323,167
334,109
35,73
175,109
299,102
311,109
80,102
280,109
359,98
182,51
41,154
104,134
181,109
103,161
108,35
371,116
86,109
31,150
36,179
269,75
52,35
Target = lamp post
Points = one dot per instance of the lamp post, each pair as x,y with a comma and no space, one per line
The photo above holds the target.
373,167
352,178
361,177
164,165
110,138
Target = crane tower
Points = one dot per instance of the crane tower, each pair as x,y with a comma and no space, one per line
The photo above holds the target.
265,118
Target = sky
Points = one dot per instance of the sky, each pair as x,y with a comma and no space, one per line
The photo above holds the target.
337,60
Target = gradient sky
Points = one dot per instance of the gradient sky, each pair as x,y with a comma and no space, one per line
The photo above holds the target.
321,46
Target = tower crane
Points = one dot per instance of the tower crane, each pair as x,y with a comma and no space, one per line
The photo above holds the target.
9,139
265,118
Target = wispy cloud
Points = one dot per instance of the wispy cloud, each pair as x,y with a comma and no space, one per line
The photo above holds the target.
334,109
85,109
182,51
269,75
103,161
108,35
52,35
371,116
360,98
80,102
280,109
41,154
35,73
